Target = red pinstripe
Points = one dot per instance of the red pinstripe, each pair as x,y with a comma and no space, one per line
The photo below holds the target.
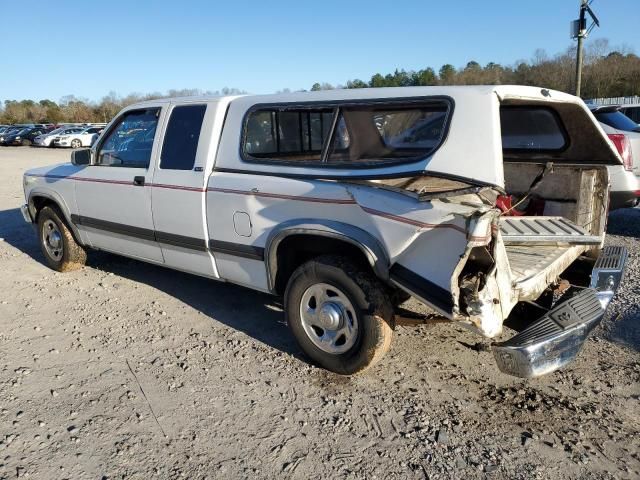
410,221
177,187
285,197
99,180
337,201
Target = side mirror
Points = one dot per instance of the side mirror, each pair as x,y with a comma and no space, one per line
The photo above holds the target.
81,157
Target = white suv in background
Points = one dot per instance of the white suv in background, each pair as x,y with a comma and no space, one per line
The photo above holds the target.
81,138
625,134
632,111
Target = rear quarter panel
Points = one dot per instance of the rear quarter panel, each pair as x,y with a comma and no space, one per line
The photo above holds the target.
427,237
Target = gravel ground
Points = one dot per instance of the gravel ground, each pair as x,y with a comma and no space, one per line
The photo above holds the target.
127,370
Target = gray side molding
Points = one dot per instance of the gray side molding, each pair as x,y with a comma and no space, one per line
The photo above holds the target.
367,243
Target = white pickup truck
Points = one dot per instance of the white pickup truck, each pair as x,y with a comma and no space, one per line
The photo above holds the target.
486,203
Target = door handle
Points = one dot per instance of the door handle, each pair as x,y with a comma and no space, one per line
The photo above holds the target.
138,181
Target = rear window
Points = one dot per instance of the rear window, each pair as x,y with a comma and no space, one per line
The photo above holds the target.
633,113
618,120
531,129
349,135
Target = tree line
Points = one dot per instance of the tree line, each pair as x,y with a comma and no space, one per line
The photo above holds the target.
607,72
76,110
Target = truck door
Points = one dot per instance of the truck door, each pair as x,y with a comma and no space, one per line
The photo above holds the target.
114,195
179,189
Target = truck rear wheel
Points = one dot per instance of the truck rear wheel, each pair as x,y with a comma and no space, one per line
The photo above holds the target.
339,313
60,249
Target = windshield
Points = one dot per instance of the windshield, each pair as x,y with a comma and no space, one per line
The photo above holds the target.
618,120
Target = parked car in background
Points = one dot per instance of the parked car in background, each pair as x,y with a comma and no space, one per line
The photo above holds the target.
9,132
46,139
625,135
8,137
23,137
632,111
612,116
625,185
84,138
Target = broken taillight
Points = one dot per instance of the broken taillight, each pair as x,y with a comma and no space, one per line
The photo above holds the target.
623,145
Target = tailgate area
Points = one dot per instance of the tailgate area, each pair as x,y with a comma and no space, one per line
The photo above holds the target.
544,230
526,262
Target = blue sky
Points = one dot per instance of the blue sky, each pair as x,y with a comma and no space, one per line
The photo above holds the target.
88,48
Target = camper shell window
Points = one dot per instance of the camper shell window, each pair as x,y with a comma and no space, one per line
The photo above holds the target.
532,129
347,135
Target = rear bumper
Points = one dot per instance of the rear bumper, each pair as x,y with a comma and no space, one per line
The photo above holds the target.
556,339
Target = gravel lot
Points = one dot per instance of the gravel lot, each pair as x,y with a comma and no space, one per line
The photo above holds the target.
127,370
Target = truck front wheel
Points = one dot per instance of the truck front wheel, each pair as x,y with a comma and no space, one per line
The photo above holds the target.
339,313
60,249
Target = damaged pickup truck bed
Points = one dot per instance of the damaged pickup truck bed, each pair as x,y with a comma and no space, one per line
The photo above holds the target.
486,203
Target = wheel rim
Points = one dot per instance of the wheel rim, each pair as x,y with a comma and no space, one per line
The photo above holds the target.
75,144
328,318
52,240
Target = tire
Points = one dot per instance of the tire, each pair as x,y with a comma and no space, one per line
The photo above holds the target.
75,143
349,327
25,142
61,251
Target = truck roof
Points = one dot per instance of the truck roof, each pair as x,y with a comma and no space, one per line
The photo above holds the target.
471,148
387,92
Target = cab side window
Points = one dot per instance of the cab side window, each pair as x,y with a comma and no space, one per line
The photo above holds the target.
181,138
129,144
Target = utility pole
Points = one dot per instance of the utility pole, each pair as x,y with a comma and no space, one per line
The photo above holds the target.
580,31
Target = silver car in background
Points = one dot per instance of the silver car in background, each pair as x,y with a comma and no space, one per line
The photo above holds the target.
45,140
82,138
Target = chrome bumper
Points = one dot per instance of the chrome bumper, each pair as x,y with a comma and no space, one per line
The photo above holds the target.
556,339
26,214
